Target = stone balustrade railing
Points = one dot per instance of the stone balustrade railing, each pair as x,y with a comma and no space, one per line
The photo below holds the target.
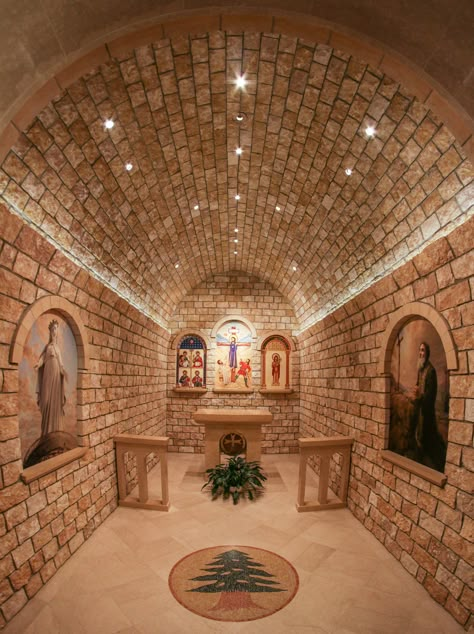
324,447
141,447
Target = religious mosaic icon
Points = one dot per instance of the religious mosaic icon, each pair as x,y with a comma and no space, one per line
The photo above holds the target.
234,357
191,362
47,387
419,400
233,583
276,352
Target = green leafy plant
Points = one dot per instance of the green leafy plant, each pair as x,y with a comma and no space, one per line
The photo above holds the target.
237,477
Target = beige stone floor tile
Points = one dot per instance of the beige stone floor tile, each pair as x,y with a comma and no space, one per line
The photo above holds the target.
349,564
431,615
294,548
269,536
46,621
316,604
369,621
31,613
152,553
90,613
395,580
313,556
117,582
149,586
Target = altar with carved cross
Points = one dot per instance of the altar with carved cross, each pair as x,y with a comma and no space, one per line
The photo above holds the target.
239,430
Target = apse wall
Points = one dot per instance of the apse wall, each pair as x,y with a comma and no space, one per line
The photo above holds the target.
44,522
233,294
429,529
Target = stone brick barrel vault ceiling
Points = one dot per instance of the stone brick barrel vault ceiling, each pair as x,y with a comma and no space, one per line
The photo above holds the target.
174,104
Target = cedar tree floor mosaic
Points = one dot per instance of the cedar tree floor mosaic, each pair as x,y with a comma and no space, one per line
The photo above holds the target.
117,582
233,583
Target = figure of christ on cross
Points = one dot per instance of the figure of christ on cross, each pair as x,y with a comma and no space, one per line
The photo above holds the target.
232,358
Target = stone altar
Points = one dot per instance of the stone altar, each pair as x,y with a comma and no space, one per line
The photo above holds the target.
218,422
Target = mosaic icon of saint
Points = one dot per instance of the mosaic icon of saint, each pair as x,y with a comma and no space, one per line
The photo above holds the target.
183,360
197,360
184,379
197,379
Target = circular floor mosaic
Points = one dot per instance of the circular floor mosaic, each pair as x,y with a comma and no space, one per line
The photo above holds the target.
233,583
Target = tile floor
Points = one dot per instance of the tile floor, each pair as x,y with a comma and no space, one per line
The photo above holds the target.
117,582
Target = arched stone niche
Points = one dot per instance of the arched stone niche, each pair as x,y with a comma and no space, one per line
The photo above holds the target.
417,354
276,369
190,349
63,440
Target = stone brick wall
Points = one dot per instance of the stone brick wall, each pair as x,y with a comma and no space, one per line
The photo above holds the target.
430,530
223,295
43,523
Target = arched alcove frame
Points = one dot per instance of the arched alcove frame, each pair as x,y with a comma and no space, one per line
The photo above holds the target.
241,318
70,312
289,349
175,342
403,315
398,319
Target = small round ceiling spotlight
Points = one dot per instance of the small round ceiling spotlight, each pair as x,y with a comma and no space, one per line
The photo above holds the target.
235,252
128,167
240,82
294,268
237,197
109,124
196,207
370,131
176,266
240,117
235,240
236,230
238,151
277,208
348,171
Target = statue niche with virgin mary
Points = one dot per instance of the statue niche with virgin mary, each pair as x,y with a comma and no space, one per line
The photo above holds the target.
51,396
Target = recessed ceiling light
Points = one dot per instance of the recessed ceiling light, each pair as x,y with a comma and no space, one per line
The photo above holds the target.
240,117
196,207
109,124
128,167
278,208
348,171
240,81
236,230
176,266
235,252
236,240
294,268
370,130
239,151
237,197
